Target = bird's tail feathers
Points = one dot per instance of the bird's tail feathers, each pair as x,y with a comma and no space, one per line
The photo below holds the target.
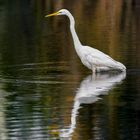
121,67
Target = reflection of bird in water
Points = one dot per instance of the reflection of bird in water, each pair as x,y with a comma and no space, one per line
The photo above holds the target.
88,93
92,58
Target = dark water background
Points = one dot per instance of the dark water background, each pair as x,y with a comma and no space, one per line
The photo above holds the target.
45,91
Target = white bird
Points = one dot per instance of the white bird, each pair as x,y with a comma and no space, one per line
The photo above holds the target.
92,58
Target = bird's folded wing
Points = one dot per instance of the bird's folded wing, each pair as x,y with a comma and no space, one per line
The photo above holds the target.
102,60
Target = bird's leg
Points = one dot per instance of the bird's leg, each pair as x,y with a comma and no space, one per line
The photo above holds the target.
93,70
93,76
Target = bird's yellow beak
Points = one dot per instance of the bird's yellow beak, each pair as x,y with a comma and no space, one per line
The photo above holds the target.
53,14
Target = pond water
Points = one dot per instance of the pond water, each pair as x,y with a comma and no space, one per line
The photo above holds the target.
45,91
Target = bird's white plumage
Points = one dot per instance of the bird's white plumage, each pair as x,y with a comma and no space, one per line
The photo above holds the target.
97,60
92,58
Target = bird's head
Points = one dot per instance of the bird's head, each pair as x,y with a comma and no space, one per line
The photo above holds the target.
60,12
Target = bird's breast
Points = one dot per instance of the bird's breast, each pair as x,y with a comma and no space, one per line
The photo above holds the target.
86,63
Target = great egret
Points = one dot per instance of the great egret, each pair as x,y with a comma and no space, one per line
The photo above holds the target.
92,58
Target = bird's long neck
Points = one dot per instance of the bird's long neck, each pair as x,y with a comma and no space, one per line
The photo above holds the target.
73,32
